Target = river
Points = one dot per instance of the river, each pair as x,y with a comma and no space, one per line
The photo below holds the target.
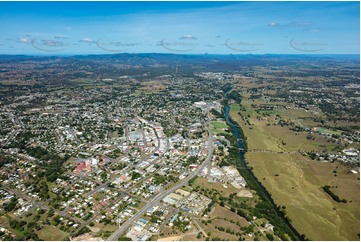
244,164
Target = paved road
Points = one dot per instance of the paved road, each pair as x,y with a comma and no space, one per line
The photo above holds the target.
163,194
210,141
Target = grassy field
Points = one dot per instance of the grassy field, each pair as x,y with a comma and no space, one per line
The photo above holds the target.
17,82
260,139
295,181
293,141
218,127
225,213
234,107
327,131
51,233
83,81
107,227
223,217
152,86
190,237
173,233
268,112
214,233
275,137
202,182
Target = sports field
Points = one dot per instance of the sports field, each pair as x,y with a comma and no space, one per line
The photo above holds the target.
218,127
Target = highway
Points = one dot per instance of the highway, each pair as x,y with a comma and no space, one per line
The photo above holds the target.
163,194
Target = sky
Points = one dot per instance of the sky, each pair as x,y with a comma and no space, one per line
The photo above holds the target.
58,28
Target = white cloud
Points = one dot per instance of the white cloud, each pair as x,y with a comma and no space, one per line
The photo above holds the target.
317,30
273,24
188,36
24,39
87,40
293,24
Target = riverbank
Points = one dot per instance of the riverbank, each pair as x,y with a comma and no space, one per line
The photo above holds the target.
266,207
295,180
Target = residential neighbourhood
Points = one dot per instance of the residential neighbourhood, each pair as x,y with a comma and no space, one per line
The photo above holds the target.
160,156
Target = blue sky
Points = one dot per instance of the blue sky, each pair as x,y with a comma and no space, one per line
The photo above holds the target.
180,27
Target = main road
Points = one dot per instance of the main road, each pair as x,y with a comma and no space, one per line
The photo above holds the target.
163,194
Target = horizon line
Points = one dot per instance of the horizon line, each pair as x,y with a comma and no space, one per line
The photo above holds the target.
161,53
